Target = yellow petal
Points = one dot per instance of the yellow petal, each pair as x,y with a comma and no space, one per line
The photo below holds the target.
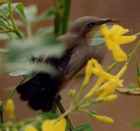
88,73
54,125
110,43
104,30
118,54
125,39
96,64
110,86
118,30
99,71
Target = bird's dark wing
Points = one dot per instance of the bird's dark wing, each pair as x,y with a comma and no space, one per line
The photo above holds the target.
40,91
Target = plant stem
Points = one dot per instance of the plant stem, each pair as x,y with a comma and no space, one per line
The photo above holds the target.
57,21
62,110
29,30
67,6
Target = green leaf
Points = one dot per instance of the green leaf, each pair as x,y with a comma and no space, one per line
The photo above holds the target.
132,87
4,9
49,115
84,127
92,114
20,11
47,15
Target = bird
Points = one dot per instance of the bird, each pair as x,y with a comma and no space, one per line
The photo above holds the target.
41,91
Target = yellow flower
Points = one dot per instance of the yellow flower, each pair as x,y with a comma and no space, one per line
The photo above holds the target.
95,89
54,125
114,37
98,70
110,87
30,128
109,98
115,82
88,72
9,109
104,119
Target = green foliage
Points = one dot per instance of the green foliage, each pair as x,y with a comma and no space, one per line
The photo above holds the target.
20,11
62,16
84,127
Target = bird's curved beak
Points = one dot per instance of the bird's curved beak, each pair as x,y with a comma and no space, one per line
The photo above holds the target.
101,21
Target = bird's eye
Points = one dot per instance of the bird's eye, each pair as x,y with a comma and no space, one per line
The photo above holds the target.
90,25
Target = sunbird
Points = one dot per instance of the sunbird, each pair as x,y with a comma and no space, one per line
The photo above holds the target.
41,91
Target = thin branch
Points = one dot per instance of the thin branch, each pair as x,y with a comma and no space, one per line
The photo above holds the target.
62,110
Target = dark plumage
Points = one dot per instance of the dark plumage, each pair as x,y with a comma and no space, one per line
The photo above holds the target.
41,91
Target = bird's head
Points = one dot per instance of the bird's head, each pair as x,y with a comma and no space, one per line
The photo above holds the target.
86,24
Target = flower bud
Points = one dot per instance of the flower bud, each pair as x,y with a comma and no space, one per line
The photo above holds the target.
109,98
104,119
9,109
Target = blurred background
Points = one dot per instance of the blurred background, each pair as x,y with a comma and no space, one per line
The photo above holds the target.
126,109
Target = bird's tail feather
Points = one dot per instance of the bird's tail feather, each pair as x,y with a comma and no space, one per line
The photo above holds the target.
40,91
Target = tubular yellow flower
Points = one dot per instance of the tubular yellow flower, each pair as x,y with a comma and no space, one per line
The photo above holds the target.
109,98
9,109
114,37
104,119
94,90
109,87
106,83
54,125
88,72
30,128
99,71
122,71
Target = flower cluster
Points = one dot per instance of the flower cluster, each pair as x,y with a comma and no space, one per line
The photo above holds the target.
104,89
106,83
